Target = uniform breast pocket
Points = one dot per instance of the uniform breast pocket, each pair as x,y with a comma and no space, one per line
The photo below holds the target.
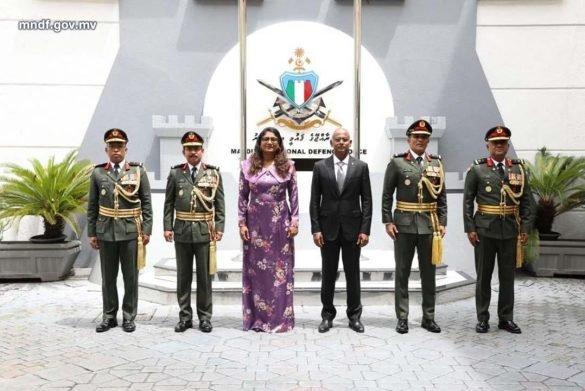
100,225
487,180
104,190
401,218
483,221
180,190
179,226
130,225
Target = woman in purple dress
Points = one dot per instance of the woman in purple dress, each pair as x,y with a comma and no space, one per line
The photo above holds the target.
268,225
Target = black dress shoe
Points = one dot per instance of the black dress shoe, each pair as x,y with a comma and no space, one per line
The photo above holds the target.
482,326
106,325
430,325
402,326
510,326
325,325
128,326
356,326
183,325
205,326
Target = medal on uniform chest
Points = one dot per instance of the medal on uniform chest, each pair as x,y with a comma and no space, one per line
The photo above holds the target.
103,192
407,182
488,188
204,182
181,193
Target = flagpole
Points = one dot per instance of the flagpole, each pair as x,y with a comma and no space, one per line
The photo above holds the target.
242,38
357,50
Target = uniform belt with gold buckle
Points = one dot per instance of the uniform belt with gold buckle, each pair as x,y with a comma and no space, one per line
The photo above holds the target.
120,213
194,216
416,207
501,210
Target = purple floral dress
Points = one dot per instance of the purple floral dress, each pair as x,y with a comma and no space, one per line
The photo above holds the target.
268,275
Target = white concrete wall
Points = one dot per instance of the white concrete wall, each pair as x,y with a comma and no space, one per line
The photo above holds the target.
533,54
50,82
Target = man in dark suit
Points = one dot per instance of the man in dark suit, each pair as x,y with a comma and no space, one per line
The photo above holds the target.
341,216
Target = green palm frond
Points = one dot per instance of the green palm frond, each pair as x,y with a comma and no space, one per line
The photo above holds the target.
54,191
558,181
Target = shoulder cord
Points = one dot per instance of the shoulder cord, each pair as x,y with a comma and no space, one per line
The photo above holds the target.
507,190
434,190
120,191
198,194
515,198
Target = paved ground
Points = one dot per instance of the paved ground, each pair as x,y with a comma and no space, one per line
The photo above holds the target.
47,341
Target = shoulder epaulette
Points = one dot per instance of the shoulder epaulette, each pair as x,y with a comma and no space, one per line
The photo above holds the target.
401,154
135,164
211,167
483,160
100,165
435,156
178,165
518,161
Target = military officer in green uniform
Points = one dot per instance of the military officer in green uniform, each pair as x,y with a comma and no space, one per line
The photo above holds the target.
499,227
419,220
119,217
194,217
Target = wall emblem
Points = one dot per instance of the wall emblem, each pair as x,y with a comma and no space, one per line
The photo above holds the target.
299,105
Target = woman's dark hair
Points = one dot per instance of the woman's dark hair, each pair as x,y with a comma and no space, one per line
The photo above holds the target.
280,159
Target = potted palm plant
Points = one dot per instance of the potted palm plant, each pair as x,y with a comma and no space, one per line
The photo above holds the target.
558,185
56,192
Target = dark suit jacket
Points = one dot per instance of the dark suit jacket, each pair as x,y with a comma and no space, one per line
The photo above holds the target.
351,210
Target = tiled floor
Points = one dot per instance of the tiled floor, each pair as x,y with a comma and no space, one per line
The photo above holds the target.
47,341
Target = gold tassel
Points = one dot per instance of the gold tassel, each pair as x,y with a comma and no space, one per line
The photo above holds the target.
519,252
437,254
141,258
212,257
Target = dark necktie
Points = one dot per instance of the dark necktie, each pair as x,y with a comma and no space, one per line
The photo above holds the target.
116,170
501,170
193,174
419,160
340,176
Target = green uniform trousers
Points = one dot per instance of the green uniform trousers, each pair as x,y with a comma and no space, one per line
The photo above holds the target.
123,253
185,253
485,256
404,247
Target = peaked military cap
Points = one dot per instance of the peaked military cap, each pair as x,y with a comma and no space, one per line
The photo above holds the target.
191,139
115,136
420,127
498,133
